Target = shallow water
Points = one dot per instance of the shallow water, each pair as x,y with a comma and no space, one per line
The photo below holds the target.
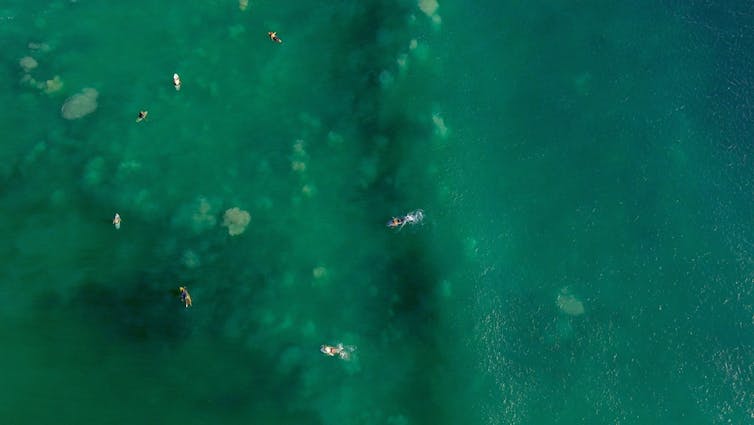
585,172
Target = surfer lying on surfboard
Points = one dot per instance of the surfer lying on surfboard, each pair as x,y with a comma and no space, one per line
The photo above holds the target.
414,217
340,350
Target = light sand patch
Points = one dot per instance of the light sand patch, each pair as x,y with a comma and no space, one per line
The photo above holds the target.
190,259
236,220
203,217
569,304
28,63
80,104
52,85
439,123
429,7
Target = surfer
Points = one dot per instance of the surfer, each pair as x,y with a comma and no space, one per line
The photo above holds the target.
340,350
395,222
116,221
177,81
141,116
185,296
414,217
274,37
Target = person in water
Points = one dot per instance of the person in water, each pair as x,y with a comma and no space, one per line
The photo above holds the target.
185,296
116,221
414,217
177,81
344,352
395,222
274,37
142,115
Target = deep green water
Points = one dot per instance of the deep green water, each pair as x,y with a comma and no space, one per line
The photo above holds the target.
585,168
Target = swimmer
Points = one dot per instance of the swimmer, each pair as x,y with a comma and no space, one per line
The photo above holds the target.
414,217
185,296
116,221
141,116
177,81
274,37
342,351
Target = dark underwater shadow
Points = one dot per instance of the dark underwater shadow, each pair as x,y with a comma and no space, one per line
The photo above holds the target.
414,278
137,311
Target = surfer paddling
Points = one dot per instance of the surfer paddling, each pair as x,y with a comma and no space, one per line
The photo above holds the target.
340,350
185,296
274,37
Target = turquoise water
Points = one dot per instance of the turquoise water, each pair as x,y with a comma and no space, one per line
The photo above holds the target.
584,167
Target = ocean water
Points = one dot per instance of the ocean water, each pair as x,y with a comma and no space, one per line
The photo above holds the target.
585,169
